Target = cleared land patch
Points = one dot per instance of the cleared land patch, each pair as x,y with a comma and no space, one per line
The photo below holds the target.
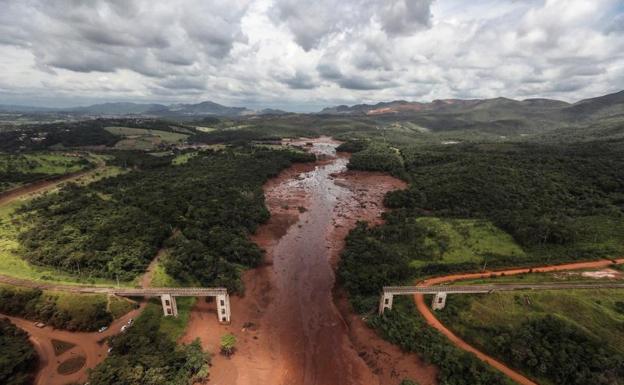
19,169
144,139
71,365
61,347
465,240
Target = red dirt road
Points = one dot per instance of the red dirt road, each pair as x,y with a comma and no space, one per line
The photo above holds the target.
289,329
86,345
431,319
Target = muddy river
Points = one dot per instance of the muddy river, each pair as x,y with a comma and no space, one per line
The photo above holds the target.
293,327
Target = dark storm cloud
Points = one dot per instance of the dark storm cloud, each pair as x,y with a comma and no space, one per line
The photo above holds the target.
309,51
312,21
183,83
300,81
361,83
106,36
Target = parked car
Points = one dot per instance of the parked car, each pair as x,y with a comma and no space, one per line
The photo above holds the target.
130,321
102,329
40,325
123,328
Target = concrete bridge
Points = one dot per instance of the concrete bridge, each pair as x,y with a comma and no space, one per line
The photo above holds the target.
167,294
441,291
168,298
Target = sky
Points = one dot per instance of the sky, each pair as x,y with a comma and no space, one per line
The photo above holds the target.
305,55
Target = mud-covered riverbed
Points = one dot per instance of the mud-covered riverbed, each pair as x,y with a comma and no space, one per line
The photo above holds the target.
289,327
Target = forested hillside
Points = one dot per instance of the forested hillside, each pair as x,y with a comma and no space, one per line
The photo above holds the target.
112,228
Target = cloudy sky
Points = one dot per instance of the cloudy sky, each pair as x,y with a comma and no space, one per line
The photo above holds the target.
303,55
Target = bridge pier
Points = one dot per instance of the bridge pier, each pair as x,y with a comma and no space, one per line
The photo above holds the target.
223,308
385,302
170,308
439,301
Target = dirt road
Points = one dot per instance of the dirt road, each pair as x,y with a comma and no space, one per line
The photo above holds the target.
289,328
431,319
89,345
45,185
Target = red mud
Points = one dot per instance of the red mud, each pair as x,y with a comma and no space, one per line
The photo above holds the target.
289,329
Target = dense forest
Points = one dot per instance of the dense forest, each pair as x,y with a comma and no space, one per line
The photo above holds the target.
112,228
145,355
558,203
88,313
18,358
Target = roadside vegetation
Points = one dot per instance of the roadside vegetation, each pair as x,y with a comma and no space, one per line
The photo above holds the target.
74,312
18,358
146,355
404,327
559,337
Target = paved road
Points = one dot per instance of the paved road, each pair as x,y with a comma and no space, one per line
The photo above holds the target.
431,319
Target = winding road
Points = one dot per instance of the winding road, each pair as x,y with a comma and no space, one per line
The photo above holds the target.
431,319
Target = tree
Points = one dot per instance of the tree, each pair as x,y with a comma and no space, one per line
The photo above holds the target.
228,344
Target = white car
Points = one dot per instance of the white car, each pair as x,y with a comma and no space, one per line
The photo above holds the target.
102,329
123,328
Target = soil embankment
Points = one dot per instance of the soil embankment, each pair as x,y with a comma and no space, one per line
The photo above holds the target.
289,329
431,319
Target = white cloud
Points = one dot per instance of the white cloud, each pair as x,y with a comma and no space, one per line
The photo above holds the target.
299,54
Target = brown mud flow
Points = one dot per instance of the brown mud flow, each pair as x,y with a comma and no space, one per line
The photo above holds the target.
289,328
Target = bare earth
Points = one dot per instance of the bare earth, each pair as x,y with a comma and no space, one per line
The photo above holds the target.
87,345
289,329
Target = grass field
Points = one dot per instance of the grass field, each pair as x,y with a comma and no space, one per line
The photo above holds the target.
183,158
19,169
466,240
144,139
42,163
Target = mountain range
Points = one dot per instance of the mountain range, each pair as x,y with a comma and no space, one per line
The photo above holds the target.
603,106
126,108
470,109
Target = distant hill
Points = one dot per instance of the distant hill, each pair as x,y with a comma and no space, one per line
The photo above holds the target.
444,106
126,108
120,109
208,108
600,107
